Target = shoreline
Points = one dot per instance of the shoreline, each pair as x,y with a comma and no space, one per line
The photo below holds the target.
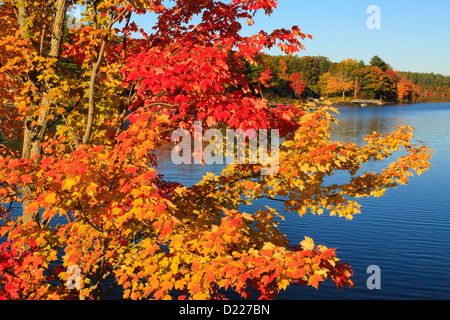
340,102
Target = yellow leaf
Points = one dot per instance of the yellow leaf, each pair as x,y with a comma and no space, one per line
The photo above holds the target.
305,168
69,183
92,189
289,143
50,199
283,284
307,244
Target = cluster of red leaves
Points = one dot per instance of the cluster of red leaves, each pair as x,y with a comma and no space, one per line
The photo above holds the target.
11,265
297,84
340,272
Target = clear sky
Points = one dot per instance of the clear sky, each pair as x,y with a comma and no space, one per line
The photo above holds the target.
413,36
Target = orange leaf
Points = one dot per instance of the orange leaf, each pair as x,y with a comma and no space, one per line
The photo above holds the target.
249,185
314,280
327,253
33,208
26,178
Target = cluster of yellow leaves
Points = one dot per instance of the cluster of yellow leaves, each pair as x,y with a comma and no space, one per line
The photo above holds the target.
92,207
311,156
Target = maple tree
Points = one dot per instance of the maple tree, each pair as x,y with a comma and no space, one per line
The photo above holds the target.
95,105
406,89
297,84
336,84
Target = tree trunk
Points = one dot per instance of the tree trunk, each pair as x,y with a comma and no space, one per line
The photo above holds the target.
34,136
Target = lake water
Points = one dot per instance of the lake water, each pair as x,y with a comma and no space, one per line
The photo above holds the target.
406,233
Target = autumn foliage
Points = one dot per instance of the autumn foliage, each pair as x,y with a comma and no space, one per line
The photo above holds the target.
346,79
94,106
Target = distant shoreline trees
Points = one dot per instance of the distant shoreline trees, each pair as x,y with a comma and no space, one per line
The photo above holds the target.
347,79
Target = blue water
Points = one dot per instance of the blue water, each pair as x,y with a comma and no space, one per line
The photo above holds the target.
405,233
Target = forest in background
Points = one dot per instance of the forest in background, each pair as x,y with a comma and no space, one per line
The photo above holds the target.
291,77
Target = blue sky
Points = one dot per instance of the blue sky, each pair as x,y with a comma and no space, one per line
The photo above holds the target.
414,35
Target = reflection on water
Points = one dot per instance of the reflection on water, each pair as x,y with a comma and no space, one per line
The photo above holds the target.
355,122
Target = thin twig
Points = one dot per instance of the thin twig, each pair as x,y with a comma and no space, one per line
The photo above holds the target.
86,218
41,48
71,133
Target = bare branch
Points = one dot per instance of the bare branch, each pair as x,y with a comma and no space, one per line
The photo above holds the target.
71,133
41,47
93,79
